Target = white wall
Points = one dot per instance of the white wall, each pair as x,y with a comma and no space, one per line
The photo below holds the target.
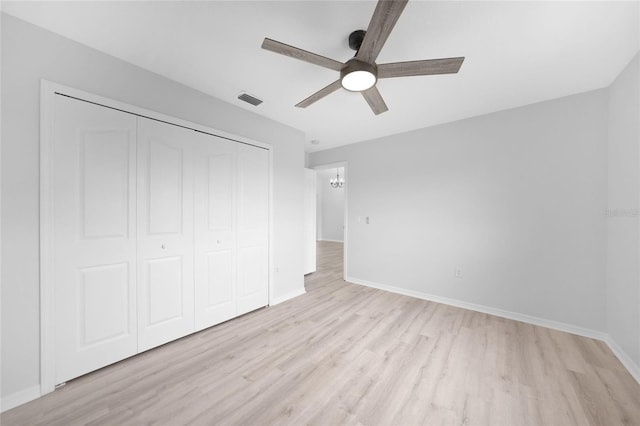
30,54
515,199
330,207
623,279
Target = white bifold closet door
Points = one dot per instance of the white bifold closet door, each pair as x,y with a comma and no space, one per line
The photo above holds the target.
94,237
232,224
216,227
165,232
158,231
253,228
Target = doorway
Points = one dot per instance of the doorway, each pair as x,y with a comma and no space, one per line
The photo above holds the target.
331,217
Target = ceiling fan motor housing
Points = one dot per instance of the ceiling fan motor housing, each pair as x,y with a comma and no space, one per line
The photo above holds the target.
355,39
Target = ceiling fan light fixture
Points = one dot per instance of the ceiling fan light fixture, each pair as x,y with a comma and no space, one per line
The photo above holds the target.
358,76
357,81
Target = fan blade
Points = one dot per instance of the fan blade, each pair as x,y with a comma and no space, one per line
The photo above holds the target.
426,67
303,55
382,22
375,101
320,94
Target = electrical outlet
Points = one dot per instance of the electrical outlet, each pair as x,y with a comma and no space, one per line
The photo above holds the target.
367,219
458,272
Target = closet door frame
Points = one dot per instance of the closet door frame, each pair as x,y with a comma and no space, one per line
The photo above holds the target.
48,91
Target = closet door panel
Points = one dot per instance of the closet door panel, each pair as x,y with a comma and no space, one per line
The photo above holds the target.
165,192
165,291
253,228
165,233
215,237
220,278
94,235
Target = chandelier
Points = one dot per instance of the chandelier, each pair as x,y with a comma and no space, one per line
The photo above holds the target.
337,182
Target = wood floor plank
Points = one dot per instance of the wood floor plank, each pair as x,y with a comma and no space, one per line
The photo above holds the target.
347,354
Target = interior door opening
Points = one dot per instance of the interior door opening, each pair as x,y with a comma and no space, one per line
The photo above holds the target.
331,215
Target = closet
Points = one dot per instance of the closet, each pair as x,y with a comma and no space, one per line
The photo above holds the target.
158,231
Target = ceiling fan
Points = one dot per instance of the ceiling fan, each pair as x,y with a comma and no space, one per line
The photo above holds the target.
360,73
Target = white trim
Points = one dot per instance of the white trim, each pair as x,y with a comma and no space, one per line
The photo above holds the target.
1,405
329,166
556,325
272,261
47,359
288,296
624,358
48,91
633,368
345,221
331,241
19,398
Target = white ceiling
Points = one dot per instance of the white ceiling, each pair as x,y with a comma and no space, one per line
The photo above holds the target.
516,53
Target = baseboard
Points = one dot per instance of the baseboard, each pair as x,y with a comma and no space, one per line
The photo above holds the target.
331,241
19,398
556,325
625,359
285,297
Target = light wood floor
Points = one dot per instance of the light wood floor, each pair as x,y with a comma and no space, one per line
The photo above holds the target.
346,354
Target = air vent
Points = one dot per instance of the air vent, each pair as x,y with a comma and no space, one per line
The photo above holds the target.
249,99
